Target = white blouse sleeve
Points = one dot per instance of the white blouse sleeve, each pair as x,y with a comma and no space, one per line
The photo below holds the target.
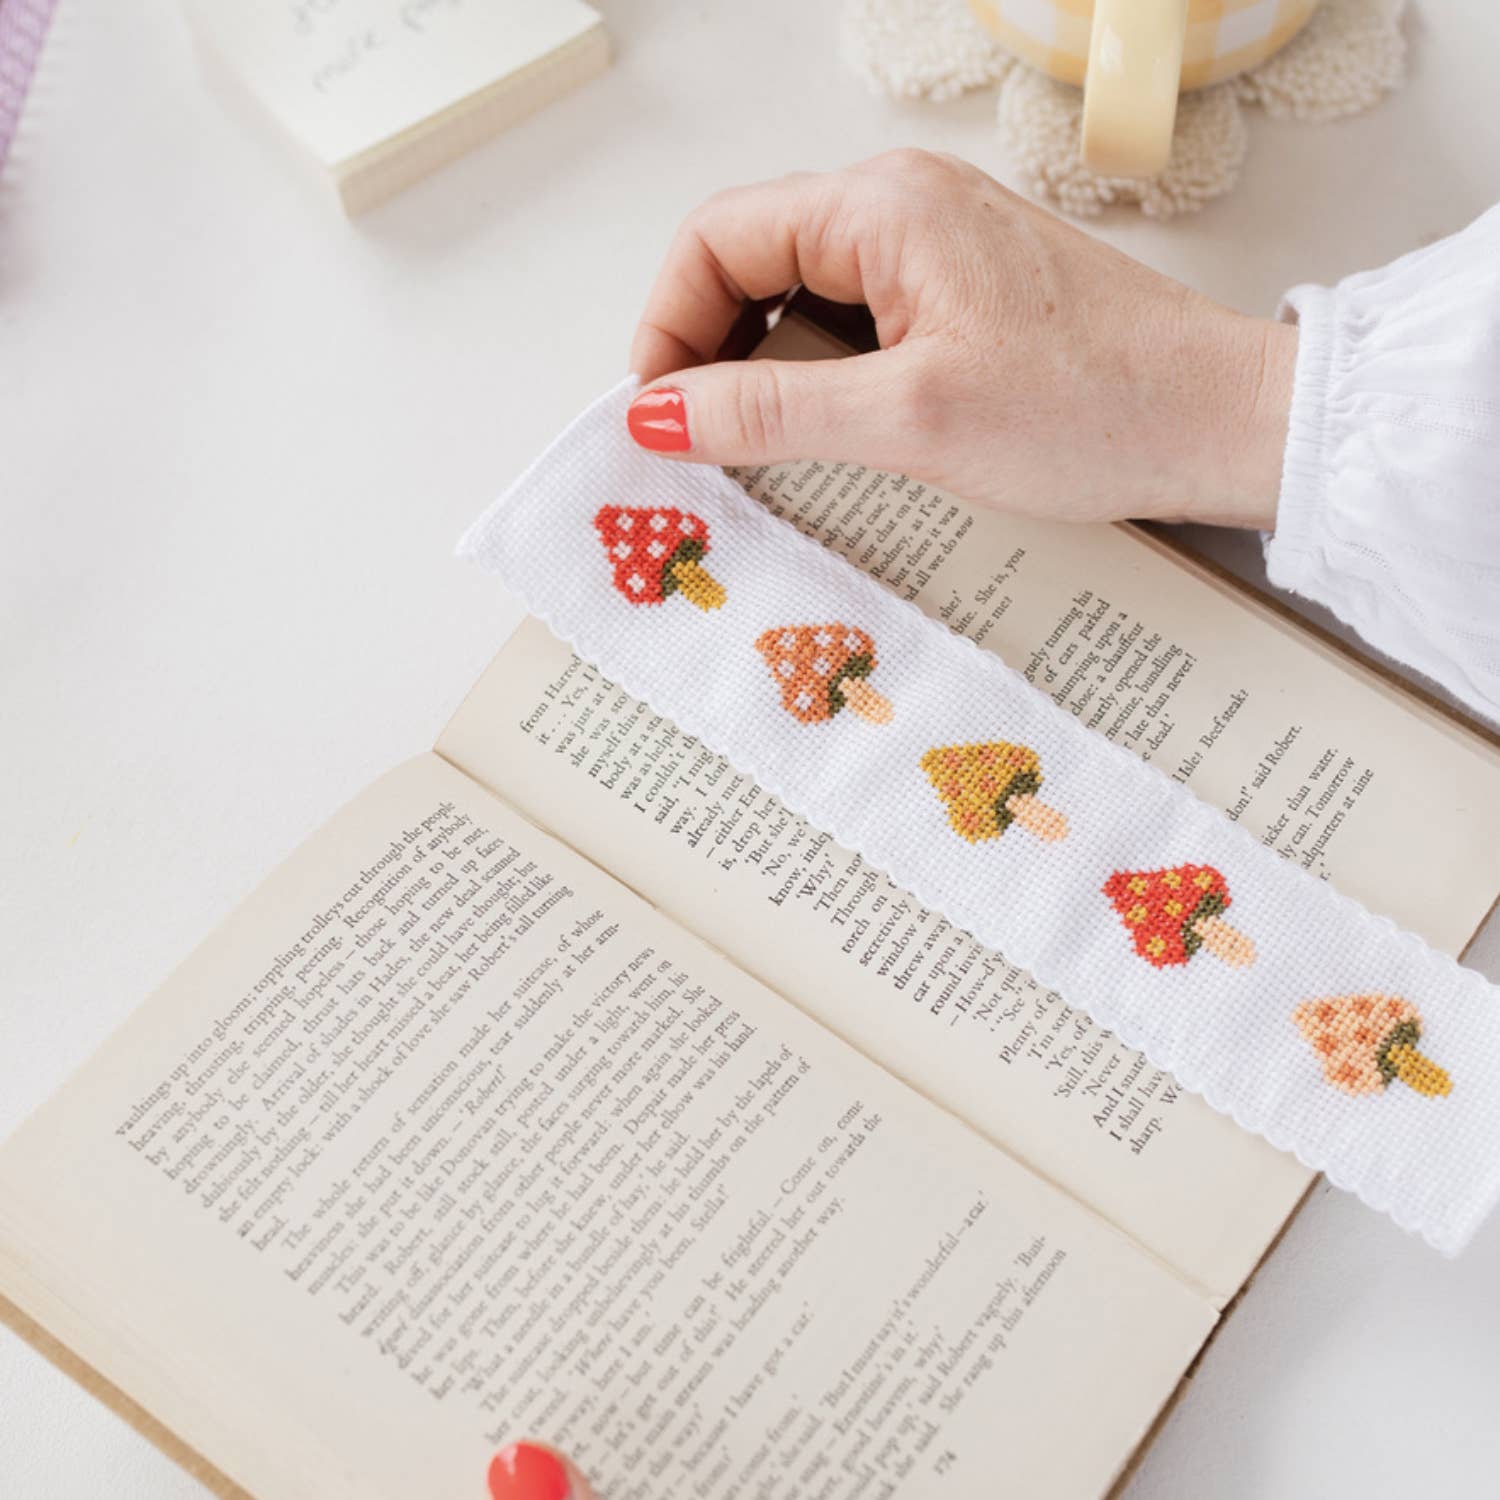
1390,492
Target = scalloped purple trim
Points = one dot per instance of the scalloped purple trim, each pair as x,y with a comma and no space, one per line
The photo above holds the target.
23,30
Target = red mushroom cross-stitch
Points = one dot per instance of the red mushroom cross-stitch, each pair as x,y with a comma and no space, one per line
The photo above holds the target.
1366,1042
988,787
823,668
1171,914
657,551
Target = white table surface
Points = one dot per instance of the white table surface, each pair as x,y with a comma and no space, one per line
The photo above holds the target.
239,435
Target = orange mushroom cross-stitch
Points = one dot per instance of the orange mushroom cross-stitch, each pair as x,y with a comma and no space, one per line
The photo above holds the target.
1366,1042
823,668
987,787
1172,914
657,551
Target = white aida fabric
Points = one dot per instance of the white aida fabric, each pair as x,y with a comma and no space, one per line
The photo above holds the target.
1326,1029
1347,57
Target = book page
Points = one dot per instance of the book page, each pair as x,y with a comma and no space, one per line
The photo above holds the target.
818,925
446,1139
1311,754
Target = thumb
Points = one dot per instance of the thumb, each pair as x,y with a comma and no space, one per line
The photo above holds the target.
529,1471
761,411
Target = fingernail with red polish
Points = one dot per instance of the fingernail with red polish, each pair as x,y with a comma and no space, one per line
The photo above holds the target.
658,420
525,1472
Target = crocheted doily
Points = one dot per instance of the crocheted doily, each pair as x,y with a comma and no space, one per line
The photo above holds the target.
1347,56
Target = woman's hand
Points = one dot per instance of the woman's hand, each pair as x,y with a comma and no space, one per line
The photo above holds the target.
1022,365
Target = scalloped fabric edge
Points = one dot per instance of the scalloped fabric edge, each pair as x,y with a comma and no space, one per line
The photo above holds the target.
1341,1039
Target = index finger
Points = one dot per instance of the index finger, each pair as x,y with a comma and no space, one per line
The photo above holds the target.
746,244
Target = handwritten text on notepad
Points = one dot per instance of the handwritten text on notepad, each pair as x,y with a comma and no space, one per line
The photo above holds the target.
349,76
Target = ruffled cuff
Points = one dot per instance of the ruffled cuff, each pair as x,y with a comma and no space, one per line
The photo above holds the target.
1293,549
1388,513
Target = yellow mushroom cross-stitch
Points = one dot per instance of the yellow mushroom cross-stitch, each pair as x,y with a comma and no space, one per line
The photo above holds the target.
823,668
1366,1042
987,787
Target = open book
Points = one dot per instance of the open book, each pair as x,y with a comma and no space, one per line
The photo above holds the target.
565,1086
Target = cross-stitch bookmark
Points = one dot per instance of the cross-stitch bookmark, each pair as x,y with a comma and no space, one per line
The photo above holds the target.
1301,1018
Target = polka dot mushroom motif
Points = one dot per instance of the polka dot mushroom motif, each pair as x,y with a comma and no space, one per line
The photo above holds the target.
1366,1042
1173,914
656,552
989,786
823,668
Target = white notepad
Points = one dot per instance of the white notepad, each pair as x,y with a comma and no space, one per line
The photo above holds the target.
382,92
